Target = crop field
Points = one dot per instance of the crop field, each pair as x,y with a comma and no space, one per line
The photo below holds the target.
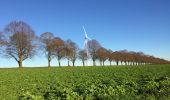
148,82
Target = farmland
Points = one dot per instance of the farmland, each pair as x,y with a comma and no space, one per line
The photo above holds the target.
104,83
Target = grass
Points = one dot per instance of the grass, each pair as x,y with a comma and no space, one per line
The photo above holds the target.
104,83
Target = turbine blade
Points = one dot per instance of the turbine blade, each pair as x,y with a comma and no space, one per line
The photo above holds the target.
85,32
84,29
89,38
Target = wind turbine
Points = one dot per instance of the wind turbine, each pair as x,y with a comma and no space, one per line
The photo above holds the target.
86,44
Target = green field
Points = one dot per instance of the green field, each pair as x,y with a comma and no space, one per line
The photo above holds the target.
80,83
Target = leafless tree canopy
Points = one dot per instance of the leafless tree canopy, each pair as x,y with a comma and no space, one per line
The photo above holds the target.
110,58
70,51
83,56
58,49
102,55
48,45
93,46
20,43
74,51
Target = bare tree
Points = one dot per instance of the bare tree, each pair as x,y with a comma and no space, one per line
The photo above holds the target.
48,46
83,56
93,46
67,49
124,56
58,49
71,51
116,57
110,57
74,50
20,44
130,58
102,55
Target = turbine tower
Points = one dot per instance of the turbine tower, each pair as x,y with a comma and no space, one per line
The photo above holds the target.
86,44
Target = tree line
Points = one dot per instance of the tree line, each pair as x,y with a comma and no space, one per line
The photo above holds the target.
19,41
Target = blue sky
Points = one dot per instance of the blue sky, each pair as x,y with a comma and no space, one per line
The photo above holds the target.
135,25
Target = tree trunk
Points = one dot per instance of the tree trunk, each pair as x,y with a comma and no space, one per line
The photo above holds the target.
49,60
59,62
125,62
68,62
117,62
83,62
103,63
110,63
73,63
94,62
121,62
20,62
133,63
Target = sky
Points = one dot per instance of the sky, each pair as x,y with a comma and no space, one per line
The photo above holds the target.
134,25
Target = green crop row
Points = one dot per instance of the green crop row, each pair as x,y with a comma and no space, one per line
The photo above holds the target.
86,83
